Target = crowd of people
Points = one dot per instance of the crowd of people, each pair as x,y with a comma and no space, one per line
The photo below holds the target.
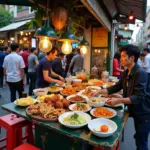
33,67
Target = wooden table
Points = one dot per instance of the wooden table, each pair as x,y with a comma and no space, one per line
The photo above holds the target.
54,136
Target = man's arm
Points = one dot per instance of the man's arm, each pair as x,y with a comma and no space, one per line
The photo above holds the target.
22,73
49,79
71,64
4,70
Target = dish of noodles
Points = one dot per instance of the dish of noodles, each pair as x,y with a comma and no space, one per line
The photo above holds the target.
103,112
80,107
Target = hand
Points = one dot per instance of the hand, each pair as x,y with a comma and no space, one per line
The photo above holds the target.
61,78
95,93
59,82
113,101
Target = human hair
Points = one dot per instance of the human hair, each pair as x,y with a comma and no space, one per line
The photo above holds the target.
1,48
78,50
14,46
53,50
32,49
6,48
131,50
25,49
117,56
146,50
142,54
60,54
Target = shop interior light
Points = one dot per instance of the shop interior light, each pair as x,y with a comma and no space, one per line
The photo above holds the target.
45,44
21,32
83,50
125,27
12,38
66,47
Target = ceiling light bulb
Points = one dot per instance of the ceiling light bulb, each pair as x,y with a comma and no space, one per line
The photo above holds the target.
83,50
45,44
66,47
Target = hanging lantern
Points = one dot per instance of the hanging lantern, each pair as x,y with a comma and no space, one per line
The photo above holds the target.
59,18
45,45
66,47
83,46
67,38
131,16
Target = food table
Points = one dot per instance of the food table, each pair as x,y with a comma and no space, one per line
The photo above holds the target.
52,135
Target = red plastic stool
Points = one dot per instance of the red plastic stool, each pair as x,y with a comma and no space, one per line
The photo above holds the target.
13,126
117,147
26,146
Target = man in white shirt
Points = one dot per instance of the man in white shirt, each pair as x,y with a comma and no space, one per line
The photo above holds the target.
14,71
147,62
141,60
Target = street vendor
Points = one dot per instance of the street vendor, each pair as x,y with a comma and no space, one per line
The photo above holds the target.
44,71
136,94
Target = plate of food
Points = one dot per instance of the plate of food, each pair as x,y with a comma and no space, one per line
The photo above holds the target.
80,86
96,101
55,89
103,112
68,91
74,119
25,101
102,127
63,85
51,96
77,98
94,88
96,82
106,85
44,112
80,107
87,91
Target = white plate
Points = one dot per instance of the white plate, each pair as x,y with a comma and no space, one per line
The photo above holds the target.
61,85
114,112
81,92
86,98
60,89
94,88
97,123
85,115
118,105
72,105
15,102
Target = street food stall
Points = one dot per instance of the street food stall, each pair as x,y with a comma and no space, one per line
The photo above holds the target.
67,115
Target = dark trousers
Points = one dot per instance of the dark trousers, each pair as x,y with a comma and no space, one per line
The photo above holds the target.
142,129
15,86
26,72
32,77
1,77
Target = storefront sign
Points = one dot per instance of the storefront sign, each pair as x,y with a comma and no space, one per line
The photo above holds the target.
99,37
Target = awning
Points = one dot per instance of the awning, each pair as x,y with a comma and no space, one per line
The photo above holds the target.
14,26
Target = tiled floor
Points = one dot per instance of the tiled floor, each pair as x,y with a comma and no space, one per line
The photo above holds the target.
129,131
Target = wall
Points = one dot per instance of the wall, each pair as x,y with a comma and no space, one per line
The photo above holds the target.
87,57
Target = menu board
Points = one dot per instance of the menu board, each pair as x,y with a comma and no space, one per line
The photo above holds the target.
99,37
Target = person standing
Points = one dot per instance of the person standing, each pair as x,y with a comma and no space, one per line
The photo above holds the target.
2,56
141,60
77,62
14,71
57,65
147,62
32,65
136,94
25,55
116,65
44,71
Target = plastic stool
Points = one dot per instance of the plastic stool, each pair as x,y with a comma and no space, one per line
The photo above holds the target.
26,146
13,125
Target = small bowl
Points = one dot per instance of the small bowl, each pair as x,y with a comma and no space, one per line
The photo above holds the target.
76,81
96,123
96,104
40,91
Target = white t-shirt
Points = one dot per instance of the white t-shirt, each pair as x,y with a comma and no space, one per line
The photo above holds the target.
147,63
13,63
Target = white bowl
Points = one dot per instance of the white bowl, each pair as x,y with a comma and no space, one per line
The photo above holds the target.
76,81
112,110
86,98
96,123
112,78
96,104
40,91
85,115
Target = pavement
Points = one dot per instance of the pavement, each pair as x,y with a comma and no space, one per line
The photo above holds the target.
128,144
